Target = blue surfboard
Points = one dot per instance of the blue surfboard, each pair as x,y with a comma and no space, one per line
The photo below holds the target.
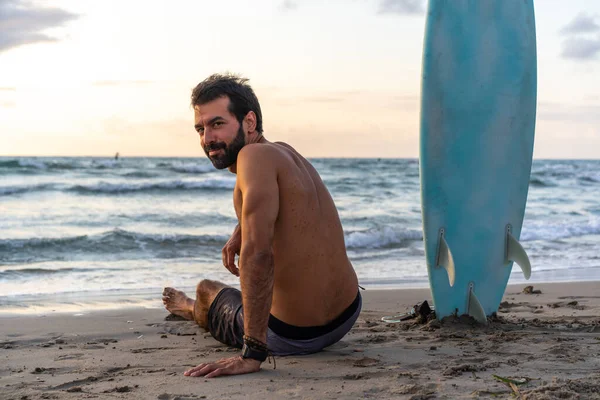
478,106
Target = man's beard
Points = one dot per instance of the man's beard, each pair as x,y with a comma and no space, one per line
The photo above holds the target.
230,153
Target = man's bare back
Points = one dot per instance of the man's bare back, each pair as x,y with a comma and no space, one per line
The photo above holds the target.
299,291
314,280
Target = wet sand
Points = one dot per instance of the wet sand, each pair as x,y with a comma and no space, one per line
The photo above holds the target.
541,346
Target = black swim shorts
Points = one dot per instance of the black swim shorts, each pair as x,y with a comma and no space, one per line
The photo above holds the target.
226,324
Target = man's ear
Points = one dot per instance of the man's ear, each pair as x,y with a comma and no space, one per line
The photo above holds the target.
250,121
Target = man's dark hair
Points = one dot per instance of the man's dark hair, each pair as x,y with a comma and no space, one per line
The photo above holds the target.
241,96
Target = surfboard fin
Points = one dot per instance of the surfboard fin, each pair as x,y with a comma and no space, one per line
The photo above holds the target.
474,308
516,253
444,258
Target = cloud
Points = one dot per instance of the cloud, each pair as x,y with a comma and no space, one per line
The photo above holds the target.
403,7
582,23
288,5
23,23
581,48
578,44
8,89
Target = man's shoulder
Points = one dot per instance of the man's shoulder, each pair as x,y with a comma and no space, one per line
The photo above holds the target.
257,164
261,154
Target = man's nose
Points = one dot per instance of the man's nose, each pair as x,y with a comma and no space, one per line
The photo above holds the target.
209,136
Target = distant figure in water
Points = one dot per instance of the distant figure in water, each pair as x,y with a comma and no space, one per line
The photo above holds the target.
117,156
299,291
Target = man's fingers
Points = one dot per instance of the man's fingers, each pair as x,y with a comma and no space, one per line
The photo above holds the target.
189,372
217,372
235,269
230,262
224,254
205,370
192,370
201,372
209,370
225,366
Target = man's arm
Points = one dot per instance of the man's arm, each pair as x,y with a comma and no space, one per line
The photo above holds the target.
257,180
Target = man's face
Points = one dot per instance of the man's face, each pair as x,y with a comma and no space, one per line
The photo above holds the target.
221,135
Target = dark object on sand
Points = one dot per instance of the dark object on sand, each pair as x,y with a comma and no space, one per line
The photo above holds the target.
422,311
529,290
173,317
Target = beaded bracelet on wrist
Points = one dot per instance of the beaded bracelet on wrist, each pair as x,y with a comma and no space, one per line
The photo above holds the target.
255,343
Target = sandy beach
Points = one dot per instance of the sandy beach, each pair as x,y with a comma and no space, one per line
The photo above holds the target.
541,346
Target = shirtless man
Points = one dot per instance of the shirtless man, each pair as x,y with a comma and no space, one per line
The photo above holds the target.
299,292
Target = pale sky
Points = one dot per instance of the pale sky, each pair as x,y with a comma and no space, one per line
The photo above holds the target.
334,78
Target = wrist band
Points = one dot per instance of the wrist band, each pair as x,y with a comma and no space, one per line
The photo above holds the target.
256,350
255,343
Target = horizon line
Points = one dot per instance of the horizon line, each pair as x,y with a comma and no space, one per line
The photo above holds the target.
307,157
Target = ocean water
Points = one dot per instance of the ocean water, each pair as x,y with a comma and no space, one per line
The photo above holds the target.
78,233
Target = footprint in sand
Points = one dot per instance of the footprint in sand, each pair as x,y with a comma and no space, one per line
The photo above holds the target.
185,328
506,307
41,370
75,356
572,304
151,349
420,391
365,362
92,347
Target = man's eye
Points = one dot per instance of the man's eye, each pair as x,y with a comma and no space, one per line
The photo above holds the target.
200,131
217,124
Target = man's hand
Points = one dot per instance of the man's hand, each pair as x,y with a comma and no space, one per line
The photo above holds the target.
226,366
231,248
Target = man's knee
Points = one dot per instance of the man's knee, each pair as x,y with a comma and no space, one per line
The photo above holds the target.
206,286
206,291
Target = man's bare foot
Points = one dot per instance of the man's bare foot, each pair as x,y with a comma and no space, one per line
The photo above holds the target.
178,303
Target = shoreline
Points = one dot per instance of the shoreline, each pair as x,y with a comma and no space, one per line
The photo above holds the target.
98,301
548,342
